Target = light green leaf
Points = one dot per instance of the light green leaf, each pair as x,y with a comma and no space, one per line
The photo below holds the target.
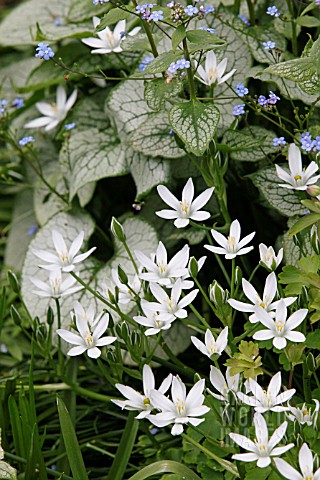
178,35
154,140
18,28
308,21
127,107
23,219
303,223
296,247
137,43
305,70
165,466
285,201
113,16
195,123
90,156
146,172
255,40
159,90
124,450
204,38
14,73
69,224
249,144
82,10
162,62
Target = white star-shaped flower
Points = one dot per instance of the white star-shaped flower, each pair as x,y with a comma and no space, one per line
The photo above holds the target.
231,246
53,113
297,178
280,328
88,337
141,401
182,408
303,415
261,449
213,73
170,305
306,461
162,271
266,302
188,208
56,287
65,259
109,41
223,385
264,400
268,258
154,320
212,346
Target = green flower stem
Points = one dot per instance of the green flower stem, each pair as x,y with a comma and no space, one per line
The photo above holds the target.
176,361
254,272
147,29
294,28
105,373
227,465
60,353
204,294
249,332
198,315
220,263
192,85
316,379
87,393
102,299
233,276
251,12
131,257
156,344
306,382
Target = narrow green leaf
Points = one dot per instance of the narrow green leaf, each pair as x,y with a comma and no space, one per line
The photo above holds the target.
16,428
165,466
178,35
312,205
113,16
71,443
195,123
124,450
303,223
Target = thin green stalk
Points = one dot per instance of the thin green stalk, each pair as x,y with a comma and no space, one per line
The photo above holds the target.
192,87
60,353
131,257
254,272
233,277
251,12
204,294
294,29
306,382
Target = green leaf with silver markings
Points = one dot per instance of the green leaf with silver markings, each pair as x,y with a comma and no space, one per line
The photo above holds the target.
159,90
195,123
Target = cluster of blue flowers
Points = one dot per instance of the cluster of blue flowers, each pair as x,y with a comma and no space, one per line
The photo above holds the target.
190,10
144,62
269,45
244,20
44,51
273,11
145,12
180,13
25,140
178,65
309,144
272,100
16,103
241,90
239,109
99,2
279,142
70,126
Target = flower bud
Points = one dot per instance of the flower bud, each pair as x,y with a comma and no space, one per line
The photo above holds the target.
122,275
217,295
117,230
14,283
311,363
313,190
238,276
314,238
111,297
193,267
15,316
50,316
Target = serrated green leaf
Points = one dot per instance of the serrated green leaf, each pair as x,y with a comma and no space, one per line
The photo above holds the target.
90,156
178,35
249,144
195,123
162,62
153,138
308,21
285,201
303,223
113,16
71,443
159,90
